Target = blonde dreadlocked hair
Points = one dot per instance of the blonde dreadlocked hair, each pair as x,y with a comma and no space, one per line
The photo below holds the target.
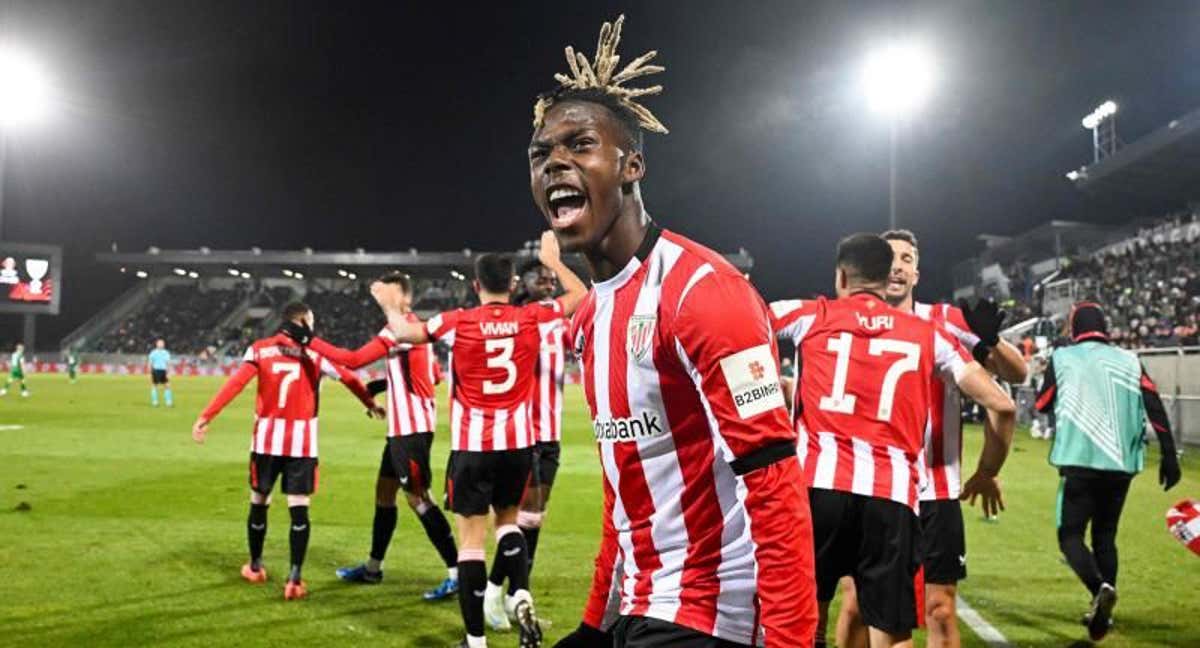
596,79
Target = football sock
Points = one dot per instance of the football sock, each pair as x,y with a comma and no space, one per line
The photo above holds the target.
531,537
512,552
496,576
472,575
298,539
438,531
381,532
1070,542
256,533
168,398
153,396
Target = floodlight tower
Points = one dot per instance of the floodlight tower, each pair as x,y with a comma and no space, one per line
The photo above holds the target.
1103,123
897,79
24,100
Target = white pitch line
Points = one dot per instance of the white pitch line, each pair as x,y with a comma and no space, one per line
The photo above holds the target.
5,428
986,631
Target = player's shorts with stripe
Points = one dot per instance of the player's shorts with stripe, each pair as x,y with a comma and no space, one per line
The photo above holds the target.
158,376
648,632
478,481
406,459
943,542
298,475
875,541
545,463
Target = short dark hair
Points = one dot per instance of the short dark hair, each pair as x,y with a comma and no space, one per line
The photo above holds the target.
901,235
866,257
494,272
530,265
630,126
398,278
294,310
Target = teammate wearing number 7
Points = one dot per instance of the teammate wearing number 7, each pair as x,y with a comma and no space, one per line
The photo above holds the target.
495,347
284,443
861,406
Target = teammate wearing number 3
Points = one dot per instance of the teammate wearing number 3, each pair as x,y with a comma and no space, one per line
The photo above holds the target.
859,443
495,348
284,444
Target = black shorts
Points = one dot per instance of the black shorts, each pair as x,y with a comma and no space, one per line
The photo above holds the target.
406,459
943,542
545,463
477,481
158,376
647,632
875,541
299,474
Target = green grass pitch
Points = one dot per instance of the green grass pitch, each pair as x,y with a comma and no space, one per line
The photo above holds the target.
134,535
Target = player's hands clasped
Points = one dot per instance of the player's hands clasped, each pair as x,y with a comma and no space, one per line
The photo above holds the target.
199,430
986,487
984,320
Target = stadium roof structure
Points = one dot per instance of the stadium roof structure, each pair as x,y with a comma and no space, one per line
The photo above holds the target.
1160,168
412,260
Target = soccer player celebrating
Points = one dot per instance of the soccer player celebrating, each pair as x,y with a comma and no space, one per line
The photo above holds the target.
537,284
16,371
495,348
943,546
159,362
707,538
411,419
860,444
284,442
1106,398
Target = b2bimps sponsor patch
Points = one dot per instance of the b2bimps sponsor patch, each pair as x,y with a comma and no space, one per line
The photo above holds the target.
753,381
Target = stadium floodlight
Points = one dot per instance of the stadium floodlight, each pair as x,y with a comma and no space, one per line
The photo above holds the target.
342,273
1102,112
180,271
233,272
351,276
287,273
24,88
297,275
141,274
897,78
193,275
245,275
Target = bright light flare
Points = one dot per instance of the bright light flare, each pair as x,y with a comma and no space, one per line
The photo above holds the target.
898,78
24,88
1102,112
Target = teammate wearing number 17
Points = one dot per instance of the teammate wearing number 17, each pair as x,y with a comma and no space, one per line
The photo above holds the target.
284,443
496,347
861,408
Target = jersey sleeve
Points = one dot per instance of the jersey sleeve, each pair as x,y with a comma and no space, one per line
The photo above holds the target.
950,359
957,326
793,318
373,350
232,387
441,327
1154,405
1049,389
725,340
347,378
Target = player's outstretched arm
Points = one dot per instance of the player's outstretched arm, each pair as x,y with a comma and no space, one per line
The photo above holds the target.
574,288
998,356
356,386
356,359
389,298
232,387
997,441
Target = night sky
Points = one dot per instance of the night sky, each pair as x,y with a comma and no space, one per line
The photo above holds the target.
390,125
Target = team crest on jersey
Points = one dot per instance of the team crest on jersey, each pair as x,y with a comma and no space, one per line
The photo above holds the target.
640,335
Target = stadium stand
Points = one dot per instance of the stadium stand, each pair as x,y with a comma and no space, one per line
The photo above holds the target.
184,315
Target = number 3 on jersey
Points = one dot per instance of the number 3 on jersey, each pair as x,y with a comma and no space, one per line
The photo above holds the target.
503,350
843,403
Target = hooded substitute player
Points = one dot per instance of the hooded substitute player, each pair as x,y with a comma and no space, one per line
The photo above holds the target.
411,420
495,348
537,284
707,538
860,444
284,442
943,541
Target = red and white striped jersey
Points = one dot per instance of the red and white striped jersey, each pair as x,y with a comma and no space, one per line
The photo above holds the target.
285,412
680,372
861,403
410,375
547,394
495,350
943,436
